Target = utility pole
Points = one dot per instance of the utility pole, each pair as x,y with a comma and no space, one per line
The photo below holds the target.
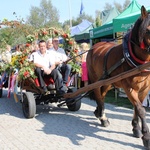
70,17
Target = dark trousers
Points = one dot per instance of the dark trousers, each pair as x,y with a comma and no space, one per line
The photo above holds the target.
65,69
55,74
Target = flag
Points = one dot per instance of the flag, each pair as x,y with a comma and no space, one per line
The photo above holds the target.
81,9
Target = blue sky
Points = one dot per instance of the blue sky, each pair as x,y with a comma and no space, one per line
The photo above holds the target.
22,7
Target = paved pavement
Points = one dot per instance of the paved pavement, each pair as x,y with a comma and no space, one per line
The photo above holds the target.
56,128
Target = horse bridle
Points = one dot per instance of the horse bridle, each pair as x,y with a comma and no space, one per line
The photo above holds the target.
148,46
148,33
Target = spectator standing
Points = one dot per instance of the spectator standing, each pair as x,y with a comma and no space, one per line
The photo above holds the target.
84,76
6,56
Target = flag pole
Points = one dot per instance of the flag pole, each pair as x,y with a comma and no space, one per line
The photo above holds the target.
70,13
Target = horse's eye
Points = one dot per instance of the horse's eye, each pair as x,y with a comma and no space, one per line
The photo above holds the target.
147,31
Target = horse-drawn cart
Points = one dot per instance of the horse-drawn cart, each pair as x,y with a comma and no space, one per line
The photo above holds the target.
32,95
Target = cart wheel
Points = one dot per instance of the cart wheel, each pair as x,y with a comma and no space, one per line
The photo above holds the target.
72,105
29,105
1,92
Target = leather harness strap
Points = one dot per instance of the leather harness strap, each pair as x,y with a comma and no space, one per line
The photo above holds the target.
107,72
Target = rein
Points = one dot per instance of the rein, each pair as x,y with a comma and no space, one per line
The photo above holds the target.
76,56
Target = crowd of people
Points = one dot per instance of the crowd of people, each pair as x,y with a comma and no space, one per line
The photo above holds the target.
51,62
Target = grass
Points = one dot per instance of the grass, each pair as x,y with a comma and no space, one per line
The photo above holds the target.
119,101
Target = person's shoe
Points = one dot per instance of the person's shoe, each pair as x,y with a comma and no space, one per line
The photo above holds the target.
46,92
64,88
60,92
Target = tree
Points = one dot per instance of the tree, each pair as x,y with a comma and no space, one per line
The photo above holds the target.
78,20
117,5
126,4
45,15
108,6
14,32
98,21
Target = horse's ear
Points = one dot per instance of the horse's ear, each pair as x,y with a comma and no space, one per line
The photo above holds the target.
144,13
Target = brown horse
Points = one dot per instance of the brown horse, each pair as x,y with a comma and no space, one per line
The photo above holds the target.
107,59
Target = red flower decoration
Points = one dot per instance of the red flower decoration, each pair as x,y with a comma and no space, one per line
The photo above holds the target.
76,51
27,44
65,35
56,32
26,74
70,43
44,33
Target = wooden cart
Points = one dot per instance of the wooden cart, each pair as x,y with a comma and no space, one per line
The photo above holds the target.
32,95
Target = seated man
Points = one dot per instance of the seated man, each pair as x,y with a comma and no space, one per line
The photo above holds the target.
45,66
61,58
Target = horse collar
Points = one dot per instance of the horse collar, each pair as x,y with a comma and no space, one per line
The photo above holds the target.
132,60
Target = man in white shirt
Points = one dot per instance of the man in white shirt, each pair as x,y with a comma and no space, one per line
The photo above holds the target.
61,57
45,66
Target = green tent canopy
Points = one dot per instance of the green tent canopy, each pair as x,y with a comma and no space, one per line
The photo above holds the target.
109,16
107,28
104,30
83,35
127,18
120,23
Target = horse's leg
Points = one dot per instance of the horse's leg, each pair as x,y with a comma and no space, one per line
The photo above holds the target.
136,127
99,112
140,112
145,130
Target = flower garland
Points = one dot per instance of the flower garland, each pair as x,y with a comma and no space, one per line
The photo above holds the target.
20,63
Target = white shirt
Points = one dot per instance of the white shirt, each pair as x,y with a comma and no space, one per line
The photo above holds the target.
60,54
46,60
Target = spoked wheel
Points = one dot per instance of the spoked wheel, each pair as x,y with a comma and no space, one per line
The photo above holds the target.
73,105
1,92
29,105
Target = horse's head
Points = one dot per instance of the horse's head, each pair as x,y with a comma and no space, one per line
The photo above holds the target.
141,30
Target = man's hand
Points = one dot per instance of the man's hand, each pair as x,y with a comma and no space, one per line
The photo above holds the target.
58,62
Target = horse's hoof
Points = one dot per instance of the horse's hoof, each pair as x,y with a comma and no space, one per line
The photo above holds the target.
137,133
146,143
105,123
96,113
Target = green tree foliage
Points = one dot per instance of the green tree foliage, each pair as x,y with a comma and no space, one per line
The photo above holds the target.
117,5
44,15
126,4
13,33
98,21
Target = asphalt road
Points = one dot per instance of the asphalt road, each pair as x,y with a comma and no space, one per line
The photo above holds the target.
56,128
